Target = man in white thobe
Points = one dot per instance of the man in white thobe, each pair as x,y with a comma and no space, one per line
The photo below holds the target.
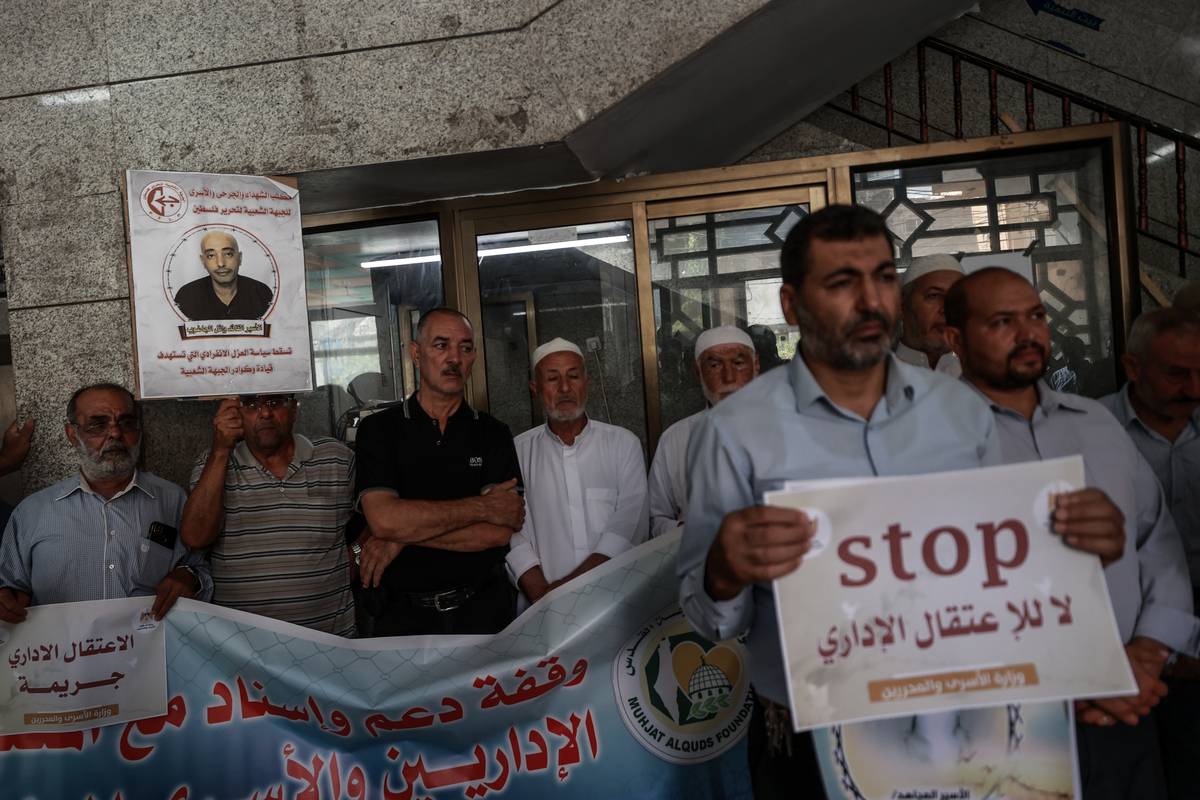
585,481
922,300
726,361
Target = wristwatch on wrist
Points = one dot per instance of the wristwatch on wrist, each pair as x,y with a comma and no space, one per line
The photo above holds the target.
356,548
195,573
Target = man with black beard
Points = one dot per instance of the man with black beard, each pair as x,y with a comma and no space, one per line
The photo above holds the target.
111,531
844,407
997,325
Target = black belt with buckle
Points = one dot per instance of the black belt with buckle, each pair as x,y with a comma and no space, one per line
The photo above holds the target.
442,601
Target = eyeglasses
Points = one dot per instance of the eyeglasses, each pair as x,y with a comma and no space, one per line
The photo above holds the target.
100,426
269,403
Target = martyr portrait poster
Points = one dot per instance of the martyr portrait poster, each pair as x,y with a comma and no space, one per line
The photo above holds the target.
217,281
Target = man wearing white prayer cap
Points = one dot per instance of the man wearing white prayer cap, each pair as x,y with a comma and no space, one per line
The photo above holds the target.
726,361
585,481
922,295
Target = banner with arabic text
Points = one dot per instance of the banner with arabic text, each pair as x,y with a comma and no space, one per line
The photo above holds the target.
903,607
600,690
75,665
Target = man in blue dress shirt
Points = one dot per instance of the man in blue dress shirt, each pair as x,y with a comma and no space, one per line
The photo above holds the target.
107,532
998,326
844,407
1160,410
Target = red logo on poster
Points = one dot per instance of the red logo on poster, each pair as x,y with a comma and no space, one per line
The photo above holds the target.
164,201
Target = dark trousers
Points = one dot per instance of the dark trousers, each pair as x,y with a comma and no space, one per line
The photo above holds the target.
778,775
1178,717
1120,762
489,610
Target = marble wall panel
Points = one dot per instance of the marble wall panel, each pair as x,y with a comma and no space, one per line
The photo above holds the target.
56,145
148,38
65,251
55,351
49,45
333,25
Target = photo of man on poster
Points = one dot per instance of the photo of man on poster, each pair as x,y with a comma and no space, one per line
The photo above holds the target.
223,293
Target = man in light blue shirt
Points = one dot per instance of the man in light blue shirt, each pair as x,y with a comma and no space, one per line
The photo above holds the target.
997,325
844,407
109,532
1160,410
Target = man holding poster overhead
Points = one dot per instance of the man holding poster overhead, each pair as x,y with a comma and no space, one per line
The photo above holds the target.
998,326
845,407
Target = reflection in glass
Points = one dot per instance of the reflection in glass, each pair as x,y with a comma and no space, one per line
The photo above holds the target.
367,287
735,283
576,282
1026,210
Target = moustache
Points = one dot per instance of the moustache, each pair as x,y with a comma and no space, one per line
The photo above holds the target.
1027,346
455,371
868,317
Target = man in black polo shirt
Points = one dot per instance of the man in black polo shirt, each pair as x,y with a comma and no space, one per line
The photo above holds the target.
223,293
439,484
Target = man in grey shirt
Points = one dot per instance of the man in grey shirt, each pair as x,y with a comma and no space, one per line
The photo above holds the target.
1160,410
844,407
998,326
108,532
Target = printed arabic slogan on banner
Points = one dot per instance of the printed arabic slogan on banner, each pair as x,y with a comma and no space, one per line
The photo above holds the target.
1018,752
904,607
75,665
217,267
602,690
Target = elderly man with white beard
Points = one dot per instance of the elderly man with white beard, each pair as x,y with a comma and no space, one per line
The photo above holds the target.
725,361
585,481
108,532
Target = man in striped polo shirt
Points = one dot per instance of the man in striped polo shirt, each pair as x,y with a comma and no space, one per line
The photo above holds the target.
273,507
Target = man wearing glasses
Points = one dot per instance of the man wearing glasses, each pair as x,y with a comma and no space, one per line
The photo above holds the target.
273,507
110,531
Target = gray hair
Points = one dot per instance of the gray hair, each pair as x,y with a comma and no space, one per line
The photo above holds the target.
108,387
1153,323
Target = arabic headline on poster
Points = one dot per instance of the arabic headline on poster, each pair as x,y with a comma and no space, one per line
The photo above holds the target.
218,285
71,666
905,607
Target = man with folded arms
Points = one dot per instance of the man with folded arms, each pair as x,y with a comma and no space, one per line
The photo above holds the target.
438,483
585,481
725,361
998,326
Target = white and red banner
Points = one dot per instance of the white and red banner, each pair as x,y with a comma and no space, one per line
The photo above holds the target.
933,592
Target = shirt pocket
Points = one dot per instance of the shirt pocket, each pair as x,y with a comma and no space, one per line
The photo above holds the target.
153,563
599,506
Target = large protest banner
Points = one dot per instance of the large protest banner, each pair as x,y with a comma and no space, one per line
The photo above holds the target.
216,265
601,690
74,665
905,607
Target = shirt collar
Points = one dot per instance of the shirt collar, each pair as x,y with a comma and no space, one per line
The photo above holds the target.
414,410
910,355
588,427
80,484
302,453
1049,400
904,383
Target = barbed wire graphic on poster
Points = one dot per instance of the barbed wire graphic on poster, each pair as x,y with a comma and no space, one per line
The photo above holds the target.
217,280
